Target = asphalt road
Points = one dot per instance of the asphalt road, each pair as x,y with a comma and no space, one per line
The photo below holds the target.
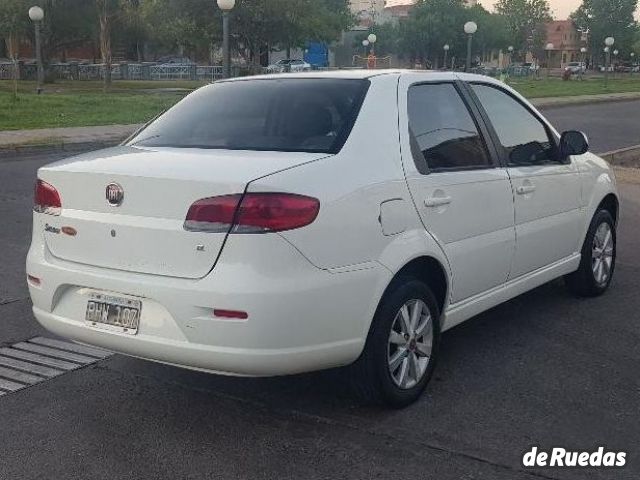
609,126
543,369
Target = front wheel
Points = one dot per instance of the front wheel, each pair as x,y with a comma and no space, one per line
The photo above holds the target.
401,350
598,258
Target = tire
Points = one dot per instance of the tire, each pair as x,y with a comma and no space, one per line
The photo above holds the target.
597,265
372,377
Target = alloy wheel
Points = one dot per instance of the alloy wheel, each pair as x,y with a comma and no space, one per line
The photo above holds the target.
602,253
410,344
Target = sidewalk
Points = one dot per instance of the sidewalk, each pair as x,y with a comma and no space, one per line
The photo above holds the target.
17,141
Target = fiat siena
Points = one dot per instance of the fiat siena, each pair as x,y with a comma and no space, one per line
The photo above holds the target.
290,223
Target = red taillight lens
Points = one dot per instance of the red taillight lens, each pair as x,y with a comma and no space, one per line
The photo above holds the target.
275,212
46,199
256,213
212,214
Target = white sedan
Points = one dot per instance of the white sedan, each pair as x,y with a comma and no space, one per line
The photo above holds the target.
285,224
289,65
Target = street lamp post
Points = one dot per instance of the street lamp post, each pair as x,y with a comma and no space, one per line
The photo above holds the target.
583,65
36,14
469,28
365,44
446,55
549,48
632,54
510,49
372,38
609,42
226,6
615,61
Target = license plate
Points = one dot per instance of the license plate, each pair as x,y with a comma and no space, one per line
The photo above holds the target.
113,313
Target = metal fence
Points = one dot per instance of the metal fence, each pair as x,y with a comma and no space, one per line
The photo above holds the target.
126,71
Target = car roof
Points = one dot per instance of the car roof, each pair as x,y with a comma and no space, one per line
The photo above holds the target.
356,74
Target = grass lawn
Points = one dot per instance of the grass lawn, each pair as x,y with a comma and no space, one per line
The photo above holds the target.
555,87
74,104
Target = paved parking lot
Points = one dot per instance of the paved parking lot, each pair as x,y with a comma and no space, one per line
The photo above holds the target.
545,369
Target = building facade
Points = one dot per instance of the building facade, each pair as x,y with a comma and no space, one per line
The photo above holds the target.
567,42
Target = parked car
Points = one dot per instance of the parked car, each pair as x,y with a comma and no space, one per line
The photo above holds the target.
534,67
604,68
576,68
289,65
276,225
624,67
175,61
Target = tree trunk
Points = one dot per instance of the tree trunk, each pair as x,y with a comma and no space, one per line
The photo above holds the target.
105,42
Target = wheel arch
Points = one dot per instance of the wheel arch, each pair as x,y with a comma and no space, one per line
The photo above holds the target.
429,270
610,203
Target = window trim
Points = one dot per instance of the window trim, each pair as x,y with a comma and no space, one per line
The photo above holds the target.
492,155
504,160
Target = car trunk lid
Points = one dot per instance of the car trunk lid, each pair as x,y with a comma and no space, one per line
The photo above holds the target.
145,232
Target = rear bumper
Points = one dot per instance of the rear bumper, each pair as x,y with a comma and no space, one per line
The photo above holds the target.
301,318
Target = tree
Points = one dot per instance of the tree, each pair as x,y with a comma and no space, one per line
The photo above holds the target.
15,21
431,25
194,25
608,18
526,23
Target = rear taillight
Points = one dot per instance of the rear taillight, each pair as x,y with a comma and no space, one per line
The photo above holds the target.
252,213
46,199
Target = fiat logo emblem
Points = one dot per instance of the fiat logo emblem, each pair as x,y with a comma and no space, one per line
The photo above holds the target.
114,194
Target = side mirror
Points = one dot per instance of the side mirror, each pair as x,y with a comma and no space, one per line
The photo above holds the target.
573,143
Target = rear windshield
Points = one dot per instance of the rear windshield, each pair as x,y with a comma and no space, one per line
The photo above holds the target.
293,115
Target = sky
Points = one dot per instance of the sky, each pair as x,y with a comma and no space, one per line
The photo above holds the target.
561,9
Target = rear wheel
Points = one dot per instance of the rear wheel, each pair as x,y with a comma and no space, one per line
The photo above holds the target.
598,258
400,354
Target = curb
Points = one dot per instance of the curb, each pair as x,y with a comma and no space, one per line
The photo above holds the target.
9,153
580,100
624,157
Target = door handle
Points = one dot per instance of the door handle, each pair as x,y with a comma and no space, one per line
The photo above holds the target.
437,201
525,189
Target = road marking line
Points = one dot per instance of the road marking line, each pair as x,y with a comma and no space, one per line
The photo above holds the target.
10,386
54,352
29,367
40,359
71,347
32,357
18,376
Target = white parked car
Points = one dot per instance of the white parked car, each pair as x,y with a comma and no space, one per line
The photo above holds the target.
289,65
284,224
576,68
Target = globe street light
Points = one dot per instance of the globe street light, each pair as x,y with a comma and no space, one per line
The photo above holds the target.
365,44
609,42
372,38
510,49
226,6
36,14
470,28
446,54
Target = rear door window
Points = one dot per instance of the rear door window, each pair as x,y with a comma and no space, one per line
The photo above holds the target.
443,132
